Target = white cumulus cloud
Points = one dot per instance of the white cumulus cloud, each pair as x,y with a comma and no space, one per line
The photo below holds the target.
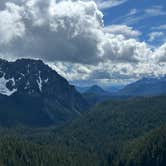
124,30
11,25
70,35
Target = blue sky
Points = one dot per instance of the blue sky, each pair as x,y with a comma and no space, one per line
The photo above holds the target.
146,16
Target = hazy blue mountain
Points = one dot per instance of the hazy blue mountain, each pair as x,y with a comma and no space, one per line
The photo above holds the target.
113,88
82,89
108,89
149,86
31,93
95,94
95,89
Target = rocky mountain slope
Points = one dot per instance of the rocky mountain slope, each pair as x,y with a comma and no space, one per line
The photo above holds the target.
31,93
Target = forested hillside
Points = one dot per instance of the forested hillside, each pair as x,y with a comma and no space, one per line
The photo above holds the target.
114,133
148,150
117,120
16,152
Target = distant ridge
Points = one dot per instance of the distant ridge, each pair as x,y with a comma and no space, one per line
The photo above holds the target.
147,86
95,89
95,94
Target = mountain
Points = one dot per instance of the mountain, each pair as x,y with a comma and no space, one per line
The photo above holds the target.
113,89
82,89
95,94
148,86
95,89
108,89
31,93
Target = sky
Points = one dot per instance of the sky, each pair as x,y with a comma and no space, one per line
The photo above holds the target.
105,42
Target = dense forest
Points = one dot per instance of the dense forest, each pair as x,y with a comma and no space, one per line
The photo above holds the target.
146,150
82,83
129,132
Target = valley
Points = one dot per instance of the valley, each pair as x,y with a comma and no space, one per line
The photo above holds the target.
56,125
82,83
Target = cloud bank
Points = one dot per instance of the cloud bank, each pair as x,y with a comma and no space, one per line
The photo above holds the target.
71,37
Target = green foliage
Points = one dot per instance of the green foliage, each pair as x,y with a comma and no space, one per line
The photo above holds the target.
149,150
113,133
14,152
108,126
116,121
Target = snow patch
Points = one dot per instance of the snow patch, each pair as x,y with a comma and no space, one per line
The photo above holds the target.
39,82
46,80
27,85
3,89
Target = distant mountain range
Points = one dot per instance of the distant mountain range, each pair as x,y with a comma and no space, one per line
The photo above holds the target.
108,89
31,93
148,86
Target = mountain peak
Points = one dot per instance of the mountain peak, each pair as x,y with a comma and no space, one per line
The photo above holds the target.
147,86
96,90
26,76
29,80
